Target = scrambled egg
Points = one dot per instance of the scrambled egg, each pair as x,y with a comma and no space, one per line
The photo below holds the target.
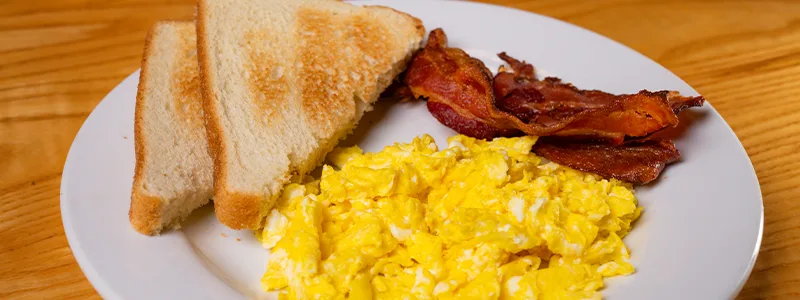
477,220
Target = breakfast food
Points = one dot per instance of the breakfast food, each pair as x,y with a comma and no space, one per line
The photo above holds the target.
173,169
283,82
635,162
479,219
530,201
584,114
462,94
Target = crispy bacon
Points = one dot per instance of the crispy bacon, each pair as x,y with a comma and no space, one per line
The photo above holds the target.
458,88
678,103
584,114
597,131
464,124
638,163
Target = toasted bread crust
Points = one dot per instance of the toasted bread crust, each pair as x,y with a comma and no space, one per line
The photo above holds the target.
235,210
238,210
417,22
145,211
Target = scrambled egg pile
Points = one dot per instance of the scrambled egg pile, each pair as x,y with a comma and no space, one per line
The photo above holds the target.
478,220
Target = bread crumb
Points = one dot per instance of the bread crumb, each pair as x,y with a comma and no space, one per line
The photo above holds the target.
223,235
238,239
124,137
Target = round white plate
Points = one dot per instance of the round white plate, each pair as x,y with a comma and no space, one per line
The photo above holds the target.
697,239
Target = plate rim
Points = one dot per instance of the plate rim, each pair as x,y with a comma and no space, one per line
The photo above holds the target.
84,263
107,291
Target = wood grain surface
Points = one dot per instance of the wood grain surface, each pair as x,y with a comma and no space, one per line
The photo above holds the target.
59,58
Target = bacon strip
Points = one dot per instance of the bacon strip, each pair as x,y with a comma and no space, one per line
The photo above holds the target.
458,88
598,132
638,163
584,114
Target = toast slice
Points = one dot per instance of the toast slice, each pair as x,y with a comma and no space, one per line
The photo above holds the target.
173,168
283,82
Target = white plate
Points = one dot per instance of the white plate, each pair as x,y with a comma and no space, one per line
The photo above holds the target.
697,239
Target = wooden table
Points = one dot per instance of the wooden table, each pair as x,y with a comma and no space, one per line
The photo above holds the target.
59,58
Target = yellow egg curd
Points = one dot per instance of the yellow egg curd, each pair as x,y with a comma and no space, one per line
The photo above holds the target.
478,220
